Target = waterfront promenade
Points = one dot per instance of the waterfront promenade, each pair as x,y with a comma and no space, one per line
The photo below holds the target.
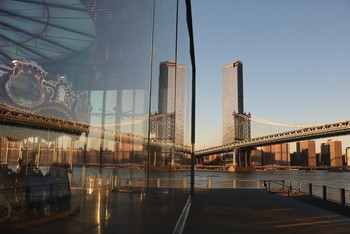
211,211
258,211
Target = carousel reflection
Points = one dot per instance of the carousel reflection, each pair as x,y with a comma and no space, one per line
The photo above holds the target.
27,190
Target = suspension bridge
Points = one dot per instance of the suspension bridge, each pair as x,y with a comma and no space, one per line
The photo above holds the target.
278,134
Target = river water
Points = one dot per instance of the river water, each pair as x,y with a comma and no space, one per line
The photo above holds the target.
334,181
329,179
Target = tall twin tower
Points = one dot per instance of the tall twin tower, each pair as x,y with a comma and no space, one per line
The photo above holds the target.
236,125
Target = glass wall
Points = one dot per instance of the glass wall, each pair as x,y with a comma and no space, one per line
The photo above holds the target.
95,107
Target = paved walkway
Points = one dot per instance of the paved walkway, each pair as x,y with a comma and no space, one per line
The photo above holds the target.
258,211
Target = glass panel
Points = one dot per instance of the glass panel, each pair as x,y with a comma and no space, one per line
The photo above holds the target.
94,109
169,176
162,117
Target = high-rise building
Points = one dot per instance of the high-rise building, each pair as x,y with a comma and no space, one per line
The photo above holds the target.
276,154
325,153
282,154
336,153
232,99
306,151
171,97
294,159
347,156
268,156
256,157
331,153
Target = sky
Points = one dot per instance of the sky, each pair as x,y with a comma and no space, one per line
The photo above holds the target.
295,54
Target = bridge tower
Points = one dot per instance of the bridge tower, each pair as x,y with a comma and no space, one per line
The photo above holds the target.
242,126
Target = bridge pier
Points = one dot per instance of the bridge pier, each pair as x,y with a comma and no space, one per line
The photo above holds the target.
200,160
239,158
250,158
242,158
234,158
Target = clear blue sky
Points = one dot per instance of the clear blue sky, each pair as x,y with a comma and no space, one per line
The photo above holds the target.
295,54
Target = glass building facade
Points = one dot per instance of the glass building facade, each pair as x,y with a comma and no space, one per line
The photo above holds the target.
232,98
96,110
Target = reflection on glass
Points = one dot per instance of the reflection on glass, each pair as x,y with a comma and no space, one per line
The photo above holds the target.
83,123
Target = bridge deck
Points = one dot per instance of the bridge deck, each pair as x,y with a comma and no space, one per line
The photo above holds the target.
258,211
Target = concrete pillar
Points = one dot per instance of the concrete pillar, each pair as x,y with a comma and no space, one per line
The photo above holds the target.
6,149
250,157
324,192
38,154
27,156
54,152
342,196
310,189
184,182
158,182
246,158
172,153
239,158
20,155
209,183
234,158
154,158
234,183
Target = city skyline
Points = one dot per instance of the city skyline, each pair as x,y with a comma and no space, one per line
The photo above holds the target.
295,55
329,153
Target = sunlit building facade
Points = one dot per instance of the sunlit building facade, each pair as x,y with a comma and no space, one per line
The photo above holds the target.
278,154
84,120
306,151
347,156
256,157
171,98
232,99
331,153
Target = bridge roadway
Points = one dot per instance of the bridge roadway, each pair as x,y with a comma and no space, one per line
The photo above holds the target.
319,131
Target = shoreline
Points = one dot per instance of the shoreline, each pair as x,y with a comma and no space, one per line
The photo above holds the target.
275,170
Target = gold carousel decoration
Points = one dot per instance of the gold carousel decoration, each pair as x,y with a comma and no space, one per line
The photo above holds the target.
27,99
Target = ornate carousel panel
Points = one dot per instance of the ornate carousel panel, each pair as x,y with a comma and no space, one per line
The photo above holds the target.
28,99
33,35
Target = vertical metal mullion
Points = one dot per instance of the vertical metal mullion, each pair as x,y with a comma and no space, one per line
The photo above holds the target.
148,161
193,103
175,84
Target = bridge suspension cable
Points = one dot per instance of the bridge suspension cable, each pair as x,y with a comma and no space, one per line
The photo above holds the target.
258,127
263,121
